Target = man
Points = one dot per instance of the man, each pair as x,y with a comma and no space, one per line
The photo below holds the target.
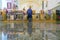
29,12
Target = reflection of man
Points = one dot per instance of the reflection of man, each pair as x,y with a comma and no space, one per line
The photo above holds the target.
30,28
29,12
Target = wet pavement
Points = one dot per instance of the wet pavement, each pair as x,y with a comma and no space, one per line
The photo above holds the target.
29,31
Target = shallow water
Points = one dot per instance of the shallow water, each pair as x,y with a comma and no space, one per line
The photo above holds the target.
29,31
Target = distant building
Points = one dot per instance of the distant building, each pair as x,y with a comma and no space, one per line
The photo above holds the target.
56,8
0,4
8,4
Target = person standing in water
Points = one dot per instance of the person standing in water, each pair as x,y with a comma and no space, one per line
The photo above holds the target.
29,13
29,17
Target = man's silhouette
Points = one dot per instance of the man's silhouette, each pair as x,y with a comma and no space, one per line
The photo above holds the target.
29,12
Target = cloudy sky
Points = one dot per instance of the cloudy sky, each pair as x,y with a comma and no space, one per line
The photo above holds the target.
51,3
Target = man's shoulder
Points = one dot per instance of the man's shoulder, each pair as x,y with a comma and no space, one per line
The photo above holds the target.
29,9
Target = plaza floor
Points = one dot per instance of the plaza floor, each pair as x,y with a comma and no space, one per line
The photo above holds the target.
29,30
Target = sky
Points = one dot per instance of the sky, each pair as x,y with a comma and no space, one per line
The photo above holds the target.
51,4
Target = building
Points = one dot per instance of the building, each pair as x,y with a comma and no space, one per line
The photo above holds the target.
1,4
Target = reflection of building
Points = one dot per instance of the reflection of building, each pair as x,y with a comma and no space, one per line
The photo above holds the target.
4,36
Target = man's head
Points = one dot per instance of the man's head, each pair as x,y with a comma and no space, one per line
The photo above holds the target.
30,7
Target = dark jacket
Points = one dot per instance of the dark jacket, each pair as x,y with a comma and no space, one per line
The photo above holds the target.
29,12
